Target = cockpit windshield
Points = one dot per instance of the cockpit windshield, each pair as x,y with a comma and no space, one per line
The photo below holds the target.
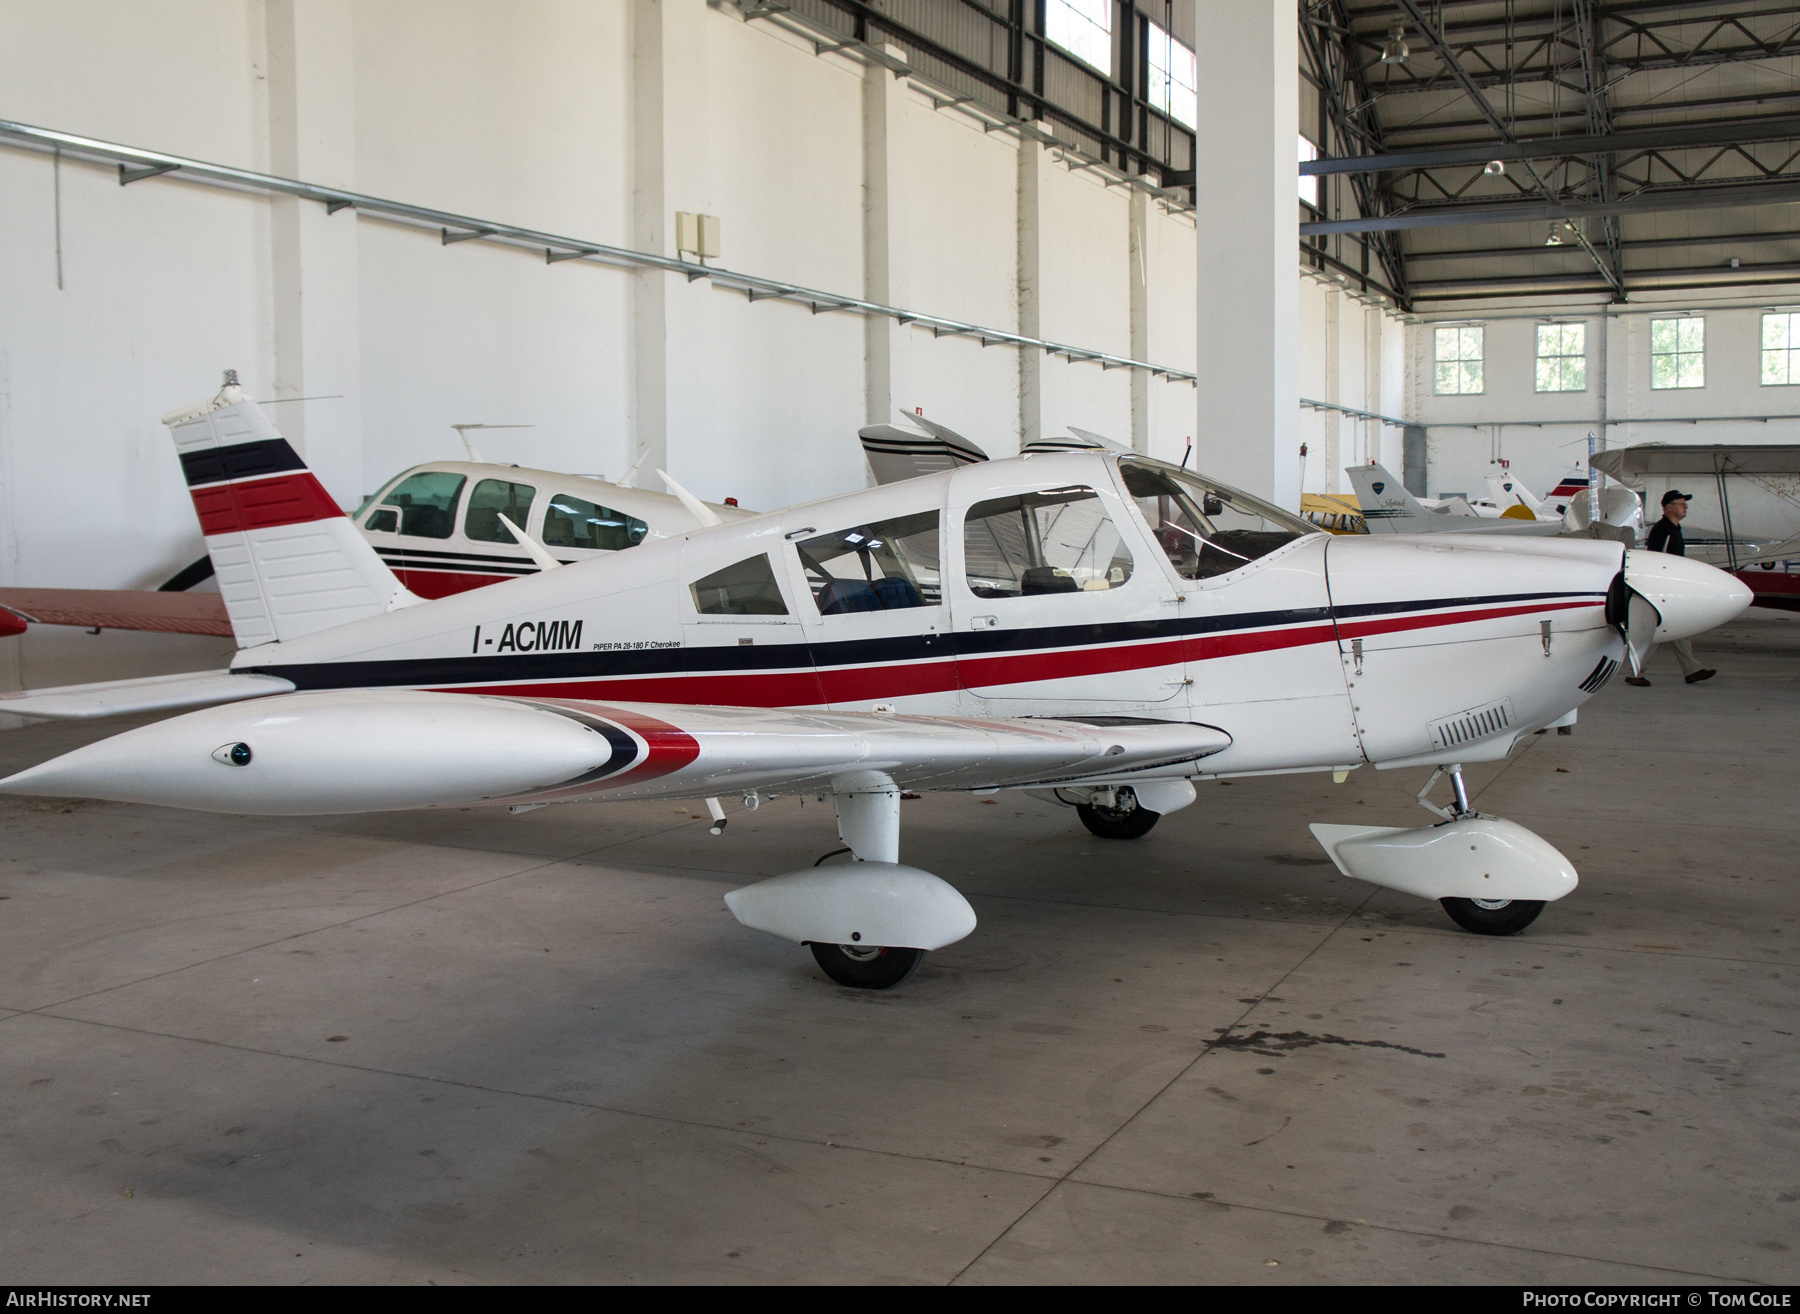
1206,528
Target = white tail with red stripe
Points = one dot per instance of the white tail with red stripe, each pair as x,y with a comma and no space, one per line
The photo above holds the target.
288,560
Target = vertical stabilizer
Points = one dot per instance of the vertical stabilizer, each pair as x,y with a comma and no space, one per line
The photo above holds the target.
1387,508
288,560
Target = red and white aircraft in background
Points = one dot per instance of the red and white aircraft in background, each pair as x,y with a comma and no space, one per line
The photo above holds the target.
437,526
1095,625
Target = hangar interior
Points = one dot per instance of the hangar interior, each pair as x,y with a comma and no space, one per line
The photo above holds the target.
716,237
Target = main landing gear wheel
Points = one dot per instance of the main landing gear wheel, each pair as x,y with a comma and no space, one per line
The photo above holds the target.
1493,916
866,967
1118,823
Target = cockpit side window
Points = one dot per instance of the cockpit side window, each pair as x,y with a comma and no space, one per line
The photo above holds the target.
1206,529
573,522
1057,541
492,499
888,565
424,505
744,588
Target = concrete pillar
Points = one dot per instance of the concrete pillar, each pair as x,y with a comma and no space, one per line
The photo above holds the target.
1248,212
1032,163
1139,274
1377,436
1333,421
886,342
671,339
651,221
313,255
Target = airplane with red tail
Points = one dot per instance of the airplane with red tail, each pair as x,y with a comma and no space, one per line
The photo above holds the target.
1086,623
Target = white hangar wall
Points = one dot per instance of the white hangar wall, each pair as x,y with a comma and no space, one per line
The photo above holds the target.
1543,434
593,121
1352,355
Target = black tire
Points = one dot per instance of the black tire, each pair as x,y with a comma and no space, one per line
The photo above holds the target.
1117,823
866,968
1502,917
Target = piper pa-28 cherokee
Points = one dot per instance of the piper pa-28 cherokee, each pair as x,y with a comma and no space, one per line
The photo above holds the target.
1093,624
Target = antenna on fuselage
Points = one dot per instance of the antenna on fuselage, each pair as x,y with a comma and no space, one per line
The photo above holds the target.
462,431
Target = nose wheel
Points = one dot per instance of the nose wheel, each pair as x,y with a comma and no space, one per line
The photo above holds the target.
1493,916
866,967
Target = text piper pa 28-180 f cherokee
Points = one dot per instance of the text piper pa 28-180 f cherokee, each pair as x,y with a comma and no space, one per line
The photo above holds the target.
1095,625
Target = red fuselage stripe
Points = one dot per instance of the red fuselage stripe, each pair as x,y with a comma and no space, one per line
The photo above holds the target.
289,499
855,684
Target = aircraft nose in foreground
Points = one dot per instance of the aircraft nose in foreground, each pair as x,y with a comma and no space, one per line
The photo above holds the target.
1690,597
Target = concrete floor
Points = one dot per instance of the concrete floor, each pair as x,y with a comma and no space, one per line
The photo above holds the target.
471,1046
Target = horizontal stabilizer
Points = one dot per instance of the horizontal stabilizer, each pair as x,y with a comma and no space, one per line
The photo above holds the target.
156,693
896,454
121,609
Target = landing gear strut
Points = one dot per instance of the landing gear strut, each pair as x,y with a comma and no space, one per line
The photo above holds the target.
1482,916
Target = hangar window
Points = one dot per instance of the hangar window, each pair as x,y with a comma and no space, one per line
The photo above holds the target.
1457,354
423,505
1562,358
1083,28
1206,529
1678,352
1309,183
1173,77
886,566
745,588
492,499
1781,349
571,522
1057,541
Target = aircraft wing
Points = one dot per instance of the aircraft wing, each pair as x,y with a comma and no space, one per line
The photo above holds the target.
896,454
155,693
376,750
120,609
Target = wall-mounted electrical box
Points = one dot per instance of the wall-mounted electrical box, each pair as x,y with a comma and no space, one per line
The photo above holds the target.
697,234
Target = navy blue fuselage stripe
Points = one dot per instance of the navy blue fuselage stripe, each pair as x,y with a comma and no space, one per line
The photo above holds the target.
387,551
799,655
270,456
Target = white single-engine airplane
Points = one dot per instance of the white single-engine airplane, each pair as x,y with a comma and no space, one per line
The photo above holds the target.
1388,508
1089,623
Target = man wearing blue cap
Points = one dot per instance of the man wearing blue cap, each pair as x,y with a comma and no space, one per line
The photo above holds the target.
1665,536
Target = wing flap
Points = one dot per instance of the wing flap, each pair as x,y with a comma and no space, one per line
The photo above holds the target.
120,609
156,693
728,749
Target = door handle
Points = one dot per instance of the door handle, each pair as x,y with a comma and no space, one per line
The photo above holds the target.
984,622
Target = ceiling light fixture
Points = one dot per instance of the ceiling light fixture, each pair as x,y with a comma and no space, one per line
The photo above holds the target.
1555,238
1394,50
1493,166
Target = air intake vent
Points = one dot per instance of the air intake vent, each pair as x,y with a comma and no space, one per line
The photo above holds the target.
1599,675
1476,723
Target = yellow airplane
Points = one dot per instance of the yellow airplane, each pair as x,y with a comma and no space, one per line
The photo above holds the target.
1335,513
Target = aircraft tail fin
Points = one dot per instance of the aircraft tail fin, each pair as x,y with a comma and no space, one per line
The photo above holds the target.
288,560
896,454
1387,508
1508,492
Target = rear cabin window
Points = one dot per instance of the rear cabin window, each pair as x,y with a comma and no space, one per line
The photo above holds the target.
1207,529
492,499
1057,541
885,566
423,505
571,522
745,588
